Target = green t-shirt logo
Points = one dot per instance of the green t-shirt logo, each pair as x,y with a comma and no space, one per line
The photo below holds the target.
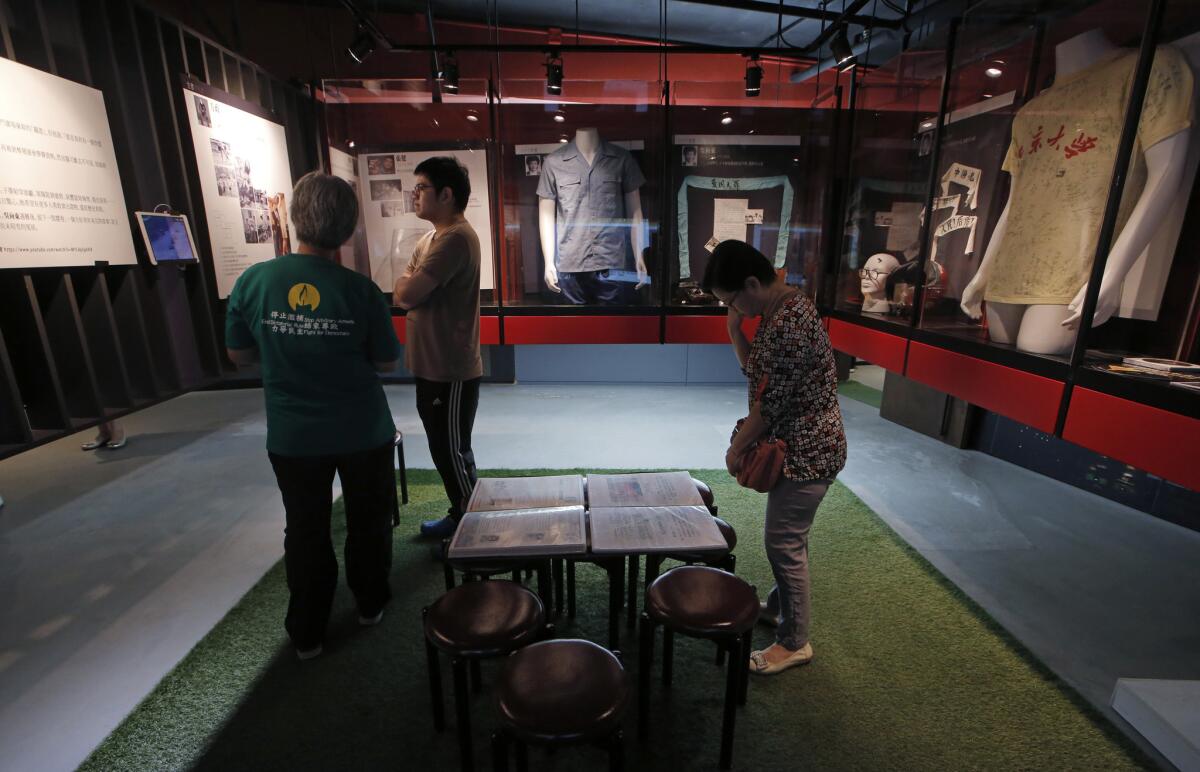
304,295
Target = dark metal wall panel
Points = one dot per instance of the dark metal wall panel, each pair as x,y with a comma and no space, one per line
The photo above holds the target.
82,344
100,338
29,351
14,427
27,34
146,379
64,330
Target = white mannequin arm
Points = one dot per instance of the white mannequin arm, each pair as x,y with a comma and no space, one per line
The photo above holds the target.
972,297
637,236
1164,176
549,237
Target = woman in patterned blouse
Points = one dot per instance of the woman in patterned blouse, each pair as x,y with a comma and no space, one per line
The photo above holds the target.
793,396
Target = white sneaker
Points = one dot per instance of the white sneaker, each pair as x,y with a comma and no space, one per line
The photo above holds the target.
369,621
309,653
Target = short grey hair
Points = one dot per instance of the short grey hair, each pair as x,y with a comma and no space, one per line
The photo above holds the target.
324,210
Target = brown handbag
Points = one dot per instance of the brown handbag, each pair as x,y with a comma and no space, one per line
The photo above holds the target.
762,465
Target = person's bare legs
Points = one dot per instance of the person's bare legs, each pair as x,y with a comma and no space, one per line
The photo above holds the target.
109,434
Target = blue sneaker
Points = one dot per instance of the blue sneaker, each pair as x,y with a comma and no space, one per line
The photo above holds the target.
439,529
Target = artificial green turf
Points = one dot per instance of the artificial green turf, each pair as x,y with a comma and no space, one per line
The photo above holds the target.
908,674
861,392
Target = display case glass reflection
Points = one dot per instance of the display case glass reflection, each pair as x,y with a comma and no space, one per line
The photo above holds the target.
387,127
580,184
896,107
1143,339
756,169
1013,269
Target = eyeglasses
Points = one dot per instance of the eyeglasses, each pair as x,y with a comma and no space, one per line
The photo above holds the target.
419,187
871,273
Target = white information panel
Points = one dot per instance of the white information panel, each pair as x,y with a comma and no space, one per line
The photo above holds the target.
342,164
60,194
247,185
385,189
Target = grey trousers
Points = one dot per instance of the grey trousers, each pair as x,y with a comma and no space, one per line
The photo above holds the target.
791,506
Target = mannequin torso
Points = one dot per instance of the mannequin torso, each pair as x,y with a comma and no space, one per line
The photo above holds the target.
1050,328
588,144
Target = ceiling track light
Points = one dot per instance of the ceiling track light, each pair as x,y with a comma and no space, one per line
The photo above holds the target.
754,73
843,54
554,73
362,46
449,73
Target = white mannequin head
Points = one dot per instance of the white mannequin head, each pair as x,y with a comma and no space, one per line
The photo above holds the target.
873,276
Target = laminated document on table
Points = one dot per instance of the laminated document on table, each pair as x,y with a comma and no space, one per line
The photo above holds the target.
520,533
640,530
643,489
500,493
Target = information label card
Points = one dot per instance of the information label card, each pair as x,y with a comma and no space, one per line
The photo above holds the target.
520,533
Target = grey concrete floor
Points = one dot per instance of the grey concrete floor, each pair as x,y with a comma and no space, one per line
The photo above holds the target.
114,564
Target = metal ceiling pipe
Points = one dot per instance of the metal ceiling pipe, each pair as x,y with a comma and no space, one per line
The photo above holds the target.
776,9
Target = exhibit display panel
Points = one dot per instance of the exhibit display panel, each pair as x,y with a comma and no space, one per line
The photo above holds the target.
245,179
758,169
891,156
1028,150
581,176
1142,342
389,127
61,202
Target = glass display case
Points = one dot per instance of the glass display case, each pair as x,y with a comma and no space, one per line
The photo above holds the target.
1142,342
891,155
1038,100
378,132
581,185
754,168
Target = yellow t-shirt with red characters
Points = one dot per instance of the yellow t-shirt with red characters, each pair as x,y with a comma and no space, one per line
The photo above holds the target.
1061,156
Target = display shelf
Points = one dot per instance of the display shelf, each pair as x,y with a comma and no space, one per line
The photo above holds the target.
1056,368
870,345
1154,394
1159,441
703,329
489,328
1033,400
581,329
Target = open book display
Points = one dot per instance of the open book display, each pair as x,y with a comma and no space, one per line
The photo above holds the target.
520,517
520,533
500,493
645,489
654,529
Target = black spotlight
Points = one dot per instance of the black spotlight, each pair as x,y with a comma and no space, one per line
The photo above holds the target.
554,74
449,74
843,54
753,77
363,45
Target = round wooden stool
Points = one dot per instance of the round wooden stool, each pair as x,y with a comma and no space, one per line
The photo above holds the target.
475,621
699,602
558,693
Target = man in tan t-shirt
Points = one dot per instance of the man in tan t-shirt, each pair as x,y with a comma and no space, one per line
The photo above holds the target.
440,292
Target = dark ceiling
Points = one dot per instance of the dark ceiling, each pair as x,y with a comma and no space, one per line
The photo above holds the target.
731,23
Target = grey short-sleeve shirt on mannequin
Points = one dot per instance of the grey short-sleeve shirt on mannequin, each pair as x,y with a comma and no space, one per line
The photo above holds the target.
590,213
